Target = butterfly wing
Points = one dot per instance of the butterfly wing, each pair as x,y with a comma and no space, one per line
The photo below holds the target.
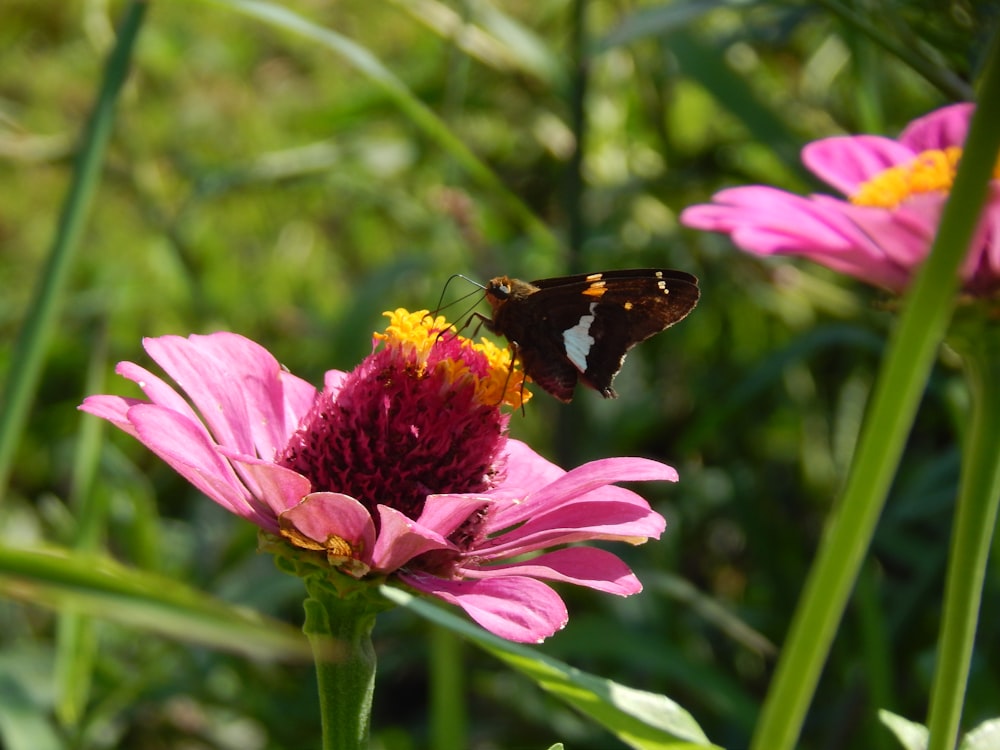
533,335
592,320
557,375
580,327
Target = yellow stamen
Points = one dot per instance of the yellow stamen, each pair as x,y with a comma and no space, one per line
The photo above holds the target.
929,171
416,334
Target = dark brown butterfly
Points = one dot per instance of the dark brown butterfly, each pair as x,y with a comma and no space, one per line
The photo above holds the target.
579,328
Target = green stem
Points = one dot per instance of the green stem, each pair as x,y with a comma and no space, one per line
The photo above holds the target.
898,389
975,519
33,339
448,704
339,630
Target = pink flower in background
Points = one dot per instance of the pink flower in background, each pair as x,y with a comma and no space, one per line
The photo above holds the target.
895,192
401,467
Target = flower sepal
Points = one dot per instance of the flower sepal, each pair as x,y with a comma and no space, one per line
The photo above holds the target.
314,567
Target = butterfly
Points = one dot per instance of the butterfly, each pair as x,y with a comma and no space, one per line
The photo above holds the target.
573,329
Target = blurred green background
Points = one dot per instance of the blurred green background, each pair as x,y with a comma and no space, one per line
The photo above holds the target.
290,188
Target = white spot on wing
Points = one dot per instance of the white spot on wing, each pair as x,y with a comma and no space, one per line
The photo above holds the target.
578,340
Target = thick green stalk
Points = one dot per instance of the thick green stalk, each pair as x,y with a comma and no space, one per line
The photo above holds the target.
33,339
975,520
922,323
340,630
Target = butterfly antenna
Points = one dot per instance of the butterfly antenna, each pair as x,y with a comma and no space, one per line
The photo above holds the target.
441,307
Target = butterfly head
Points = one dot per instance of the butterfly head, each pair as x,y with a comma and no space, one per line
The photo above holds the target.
502,289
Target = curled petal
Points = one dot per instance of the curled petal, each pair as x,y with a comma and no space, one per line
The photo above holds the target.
280,488
445,513
401,539
584,566
518,609
324,517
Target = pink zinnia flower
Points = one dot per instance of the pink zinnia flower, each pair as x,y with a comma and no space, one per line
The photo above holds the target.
401,467
895,192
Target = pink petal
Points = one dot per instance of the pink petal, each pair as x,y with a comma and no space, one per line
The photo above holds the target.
904,234
989,241
112,408
156,390
577,522
518,609
280,488
584,566
821,228
235,384
333,380
401,539
445,513
594,475
939,129
187,449
767,221
847,161
299,396
527,470
323,515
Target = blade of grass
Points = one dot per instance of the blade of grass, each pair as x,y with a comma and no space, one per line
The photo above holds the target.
935,74
99,587
76,638
977,343
490,36
362,60
29,350
926,311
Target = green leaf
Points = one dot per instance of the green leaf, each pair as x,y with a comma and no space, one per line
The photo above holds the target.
97,586
911,735
640,719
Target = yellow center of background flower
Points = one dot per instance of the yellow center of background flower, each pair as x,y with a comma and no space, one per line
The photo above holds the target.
417,333
930,171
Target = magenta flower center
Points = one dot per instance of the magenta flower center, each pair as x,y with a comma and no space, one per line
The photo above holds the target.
396,432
